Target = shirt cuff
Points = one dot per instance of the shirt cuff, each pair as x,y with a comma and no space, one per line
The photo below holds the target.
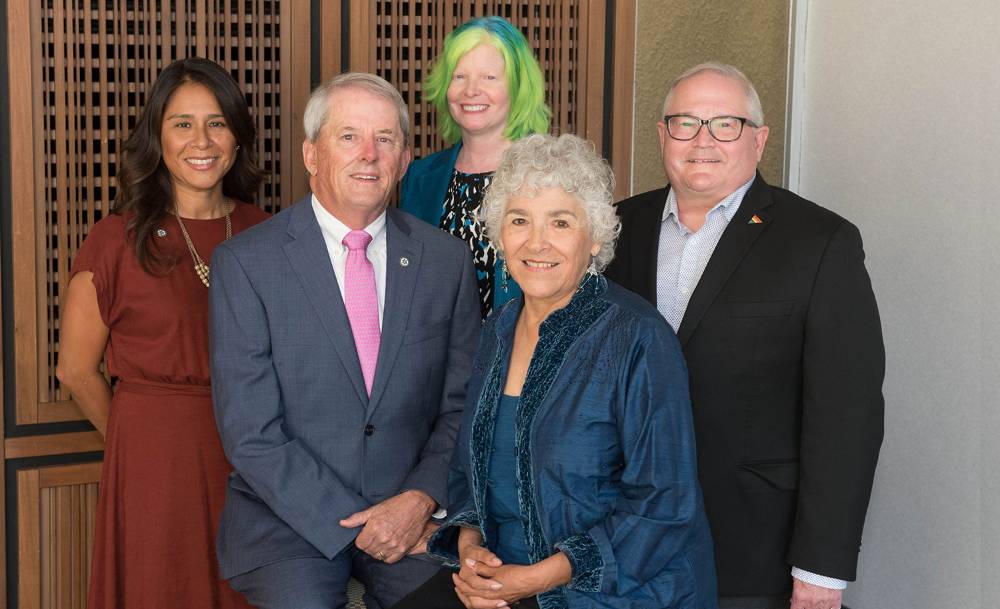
818,580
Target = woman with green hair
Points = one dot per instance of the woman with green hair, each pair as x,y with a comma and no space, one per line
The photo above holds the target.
489,91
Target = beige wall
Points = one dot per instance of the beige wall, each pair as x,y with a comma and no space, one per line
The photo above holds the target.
880,76
673,35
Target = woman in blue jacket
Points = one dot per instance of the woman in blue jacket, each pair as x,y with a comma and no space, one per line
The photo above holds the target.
488,91
574,482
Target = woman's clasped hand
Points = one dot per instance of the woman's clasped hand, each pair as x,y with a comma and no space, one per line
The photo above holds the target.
483,581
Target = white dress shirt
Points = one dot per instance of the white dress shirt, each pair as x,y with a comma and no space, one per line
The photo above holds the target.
334,232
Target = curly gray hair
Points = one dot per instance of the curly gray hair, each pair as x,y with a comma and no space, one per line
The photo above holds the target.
567,162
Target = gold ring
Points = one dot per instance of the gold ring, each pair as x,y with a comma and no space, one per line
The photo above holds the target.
380,556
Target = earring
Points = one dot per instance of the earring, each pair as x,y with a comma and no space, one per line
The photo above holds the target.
503,276
237,146
592,269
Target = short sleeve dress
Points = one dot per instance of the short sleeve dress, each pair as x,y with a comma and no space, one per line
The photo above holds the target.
164,476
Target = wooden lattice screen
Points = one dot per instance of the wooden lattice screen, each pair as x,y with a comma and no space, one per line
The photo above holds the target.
57,510
79,73
398,39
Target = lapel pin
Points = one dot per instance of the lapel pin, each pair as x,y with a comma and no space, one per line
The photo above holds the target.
161,232
755,219
404,262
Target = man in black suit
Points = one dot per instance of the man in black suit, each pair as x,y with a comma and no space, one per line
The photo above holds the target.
773,306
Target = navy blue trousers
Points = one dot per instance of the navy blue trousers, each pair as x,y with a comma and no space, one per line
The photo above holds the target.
318,583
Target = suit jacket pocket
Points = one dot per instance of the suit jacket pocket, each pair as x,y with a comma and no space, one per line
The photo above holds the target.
782,475
781,308
421,332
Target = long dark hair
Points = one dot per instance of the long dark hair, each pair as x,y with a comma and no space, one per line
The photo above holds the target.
144,186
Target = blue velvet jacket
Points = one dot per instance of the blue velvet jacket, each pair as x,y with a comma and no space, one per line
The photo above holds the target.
424,188
606,454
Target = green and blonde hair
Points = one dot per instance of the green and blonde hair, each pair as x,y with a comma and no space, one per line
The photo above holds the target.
525,85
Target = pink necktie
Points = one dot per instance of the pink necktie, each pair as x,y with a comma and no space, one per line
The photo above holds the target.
361,302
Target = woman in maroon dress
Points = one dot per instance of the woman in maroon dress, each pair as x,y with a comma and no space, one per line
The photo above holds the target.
139,296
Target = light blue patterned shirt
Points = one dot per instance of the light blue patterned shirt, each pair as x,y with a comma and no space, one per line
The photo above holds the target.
682,255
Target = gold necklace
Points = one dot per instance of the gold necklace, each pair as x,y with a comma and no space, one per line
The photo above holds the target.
200,266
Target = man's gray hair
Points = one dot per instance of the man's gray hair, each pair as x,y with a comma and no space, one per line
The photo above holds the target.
567,162
754,110
318,106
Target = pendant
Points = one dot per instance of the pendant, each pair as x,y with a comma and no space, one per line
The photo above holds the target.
202,270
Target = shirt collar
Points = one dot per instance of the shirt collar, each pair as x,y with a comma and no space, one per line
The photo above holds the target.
729,205
337,230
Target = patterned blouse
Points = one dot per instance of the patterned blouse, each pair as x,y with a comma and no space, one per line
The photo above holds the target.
465,195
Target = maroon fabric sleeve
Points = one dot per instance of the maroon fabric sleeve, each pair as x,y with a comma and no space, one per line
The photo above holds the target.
101,254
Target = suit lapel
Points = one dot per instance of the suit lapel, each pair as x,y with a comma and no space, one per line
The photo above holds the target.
648,220
310,260
402,264
733,246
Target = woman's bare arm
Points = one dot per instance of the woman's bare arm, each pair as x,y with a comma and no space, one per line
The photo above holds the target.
82,339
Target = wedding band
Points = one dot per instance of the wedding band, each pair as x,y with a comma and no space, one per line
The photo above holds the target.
380,556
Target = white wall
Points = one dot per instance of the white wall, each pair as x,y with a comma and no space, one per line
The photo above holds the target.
900,132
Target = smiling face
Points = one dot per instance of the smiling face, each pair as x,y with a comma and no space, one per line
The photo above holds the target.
547,245
478,98
358,157
703,171
197,145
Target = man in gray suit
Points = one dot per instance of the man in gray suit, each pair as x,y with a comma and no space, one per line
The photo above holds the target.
342,334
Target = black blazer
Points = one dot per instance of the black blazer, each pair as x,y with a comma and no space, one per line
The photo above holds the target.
786,361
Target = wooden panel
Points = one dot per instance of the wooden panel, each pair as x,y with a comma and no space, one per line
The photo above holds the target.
28,534
362,36
55,444
331,24
23,216
86,66
623,100
593,22
398,40
65,475
3,484
56,515
295,87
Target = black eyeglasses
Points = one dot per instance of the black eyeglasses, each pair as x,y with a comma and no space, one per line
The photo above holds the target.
684,127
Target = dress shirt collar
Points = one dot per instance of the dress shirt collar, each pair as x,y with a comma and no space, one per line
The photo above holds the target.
335,230
729,205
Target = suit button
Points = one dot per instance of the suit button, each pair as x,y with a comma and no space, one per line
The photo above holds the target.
369,429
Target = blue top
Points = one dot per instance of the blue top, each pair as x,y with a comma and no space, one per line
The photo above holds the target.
605,455
501,495
424,189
